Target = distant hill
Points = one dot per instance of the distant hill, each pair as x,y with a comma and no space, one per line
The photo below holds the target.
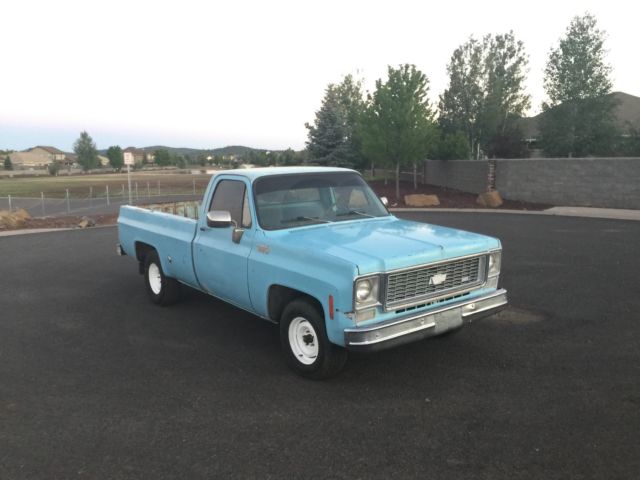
237,150
627,111
231,150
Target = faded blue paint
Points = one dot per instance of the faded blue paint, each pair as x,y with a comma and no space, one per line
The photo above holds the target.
318,260
388,243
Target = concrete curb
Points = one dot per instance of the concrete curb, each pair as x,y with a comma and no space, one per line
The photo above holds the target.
466,210
11,233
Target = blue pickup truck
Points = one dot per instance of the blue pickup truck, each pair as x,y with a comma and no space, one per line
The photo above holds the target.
315,251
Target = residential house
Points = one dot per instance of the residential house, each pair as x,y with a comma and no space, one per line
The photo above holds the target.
28,160
70,160
37,157
138,154
52,153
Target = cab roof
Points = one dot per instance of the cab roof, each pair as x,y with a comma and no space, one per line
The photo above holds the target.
254,173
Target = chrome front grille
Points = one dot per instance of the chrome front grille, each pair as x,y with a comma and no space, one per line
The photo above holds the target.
410,287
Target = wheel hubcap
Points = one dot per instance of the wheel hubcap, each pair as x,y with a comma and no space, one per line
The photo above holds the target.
303,340
155,279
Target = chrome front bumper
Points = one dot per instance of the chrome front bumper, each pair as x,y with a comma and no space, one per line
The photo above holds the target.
428,324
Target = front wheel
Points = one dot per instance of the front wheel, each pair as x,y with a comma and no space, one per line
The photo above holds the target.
162,290
305,344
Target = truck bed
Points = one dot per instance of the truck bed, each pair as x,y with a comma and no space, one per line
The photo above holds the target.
171,234
181,209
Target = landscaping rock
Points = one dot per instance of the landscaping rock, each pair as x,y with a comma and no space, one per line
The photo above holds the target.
490,199
86,222
421,200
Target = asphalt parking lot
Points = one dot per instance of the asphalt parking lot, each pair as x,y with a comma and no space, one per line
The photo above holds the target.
96,382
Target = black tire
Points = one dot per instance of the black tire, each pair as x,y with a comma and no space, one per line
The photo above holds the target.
322,359
162,290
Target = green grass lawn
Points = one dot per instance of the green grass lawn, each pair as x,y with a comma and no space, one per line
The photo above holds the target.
81,185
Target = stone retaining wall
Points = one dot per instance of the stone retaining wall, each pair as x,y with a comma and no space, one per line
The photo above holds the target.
585,182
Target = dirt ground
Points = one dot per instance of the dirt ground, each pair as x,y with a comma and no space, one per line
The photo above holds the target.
60,222
448,199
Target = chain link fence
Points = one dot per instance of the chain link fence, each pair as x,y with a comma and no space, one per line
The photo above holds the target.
101,200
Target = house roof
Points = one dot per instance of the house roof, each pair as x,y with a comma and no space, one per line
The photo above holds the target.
134,150
51,150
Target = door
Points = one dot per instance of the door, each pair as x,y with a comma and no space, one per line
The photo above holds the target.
221,264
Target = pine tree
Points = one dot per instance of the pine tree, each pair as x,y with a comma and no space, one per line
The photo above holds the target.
86,150
333,139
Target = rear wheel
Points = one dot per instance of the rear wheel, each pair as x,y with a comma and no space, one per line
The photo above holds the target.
162,290
305,344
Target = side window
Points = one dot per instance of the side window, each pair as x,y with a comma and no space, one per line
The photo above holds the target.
246,211
231,196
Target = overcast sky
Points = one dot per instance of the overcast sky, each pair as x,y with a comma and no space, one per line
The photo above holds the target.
206,74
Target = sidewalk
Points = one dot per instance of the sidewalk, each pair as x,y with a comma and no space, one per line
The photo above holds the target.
614,213
609,213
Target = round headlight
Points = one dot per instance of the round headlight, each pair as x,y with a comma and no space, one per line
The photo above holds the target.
363,290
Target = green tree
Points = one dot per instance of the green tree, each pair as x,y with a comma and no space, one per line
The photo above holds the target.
578,118
334,139
116,157
179,161
486,94
162,157
452,146
288,157
398,127
53,168
461,103
7,163
86,151
628,141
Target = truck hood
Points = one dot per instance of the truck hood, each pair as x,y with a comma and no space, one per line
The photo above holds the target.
388,243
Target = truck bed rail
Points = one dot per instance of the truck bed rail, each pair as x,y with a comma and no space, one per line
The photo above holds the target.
181,209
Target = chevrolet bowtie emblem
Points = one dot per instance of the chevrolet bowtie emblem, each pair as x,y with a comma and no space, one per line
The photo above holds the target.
438,279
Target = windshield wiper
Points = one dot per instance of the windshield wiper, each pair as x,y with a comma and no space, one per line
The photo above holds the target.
355,212
308,219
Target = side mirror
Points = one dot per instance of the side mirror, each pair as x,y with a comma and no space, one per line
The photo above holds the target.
219,219
384,201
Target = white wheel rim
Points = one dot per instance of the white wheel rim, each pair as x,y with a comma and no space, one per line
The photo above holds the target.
155,279
303,340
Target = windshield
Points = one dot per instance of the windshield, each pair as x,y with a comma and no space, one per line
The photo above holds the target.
285,201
